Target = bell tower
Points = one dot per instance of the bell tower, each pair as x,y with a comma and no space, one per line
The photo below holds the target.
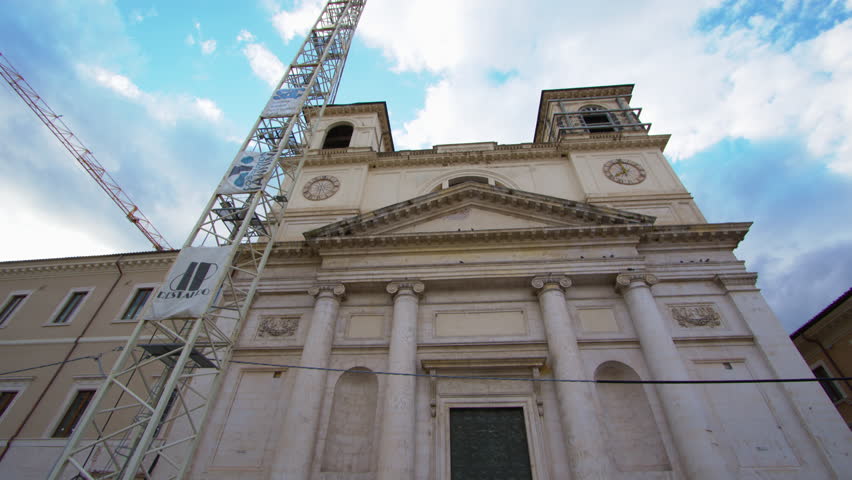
617,161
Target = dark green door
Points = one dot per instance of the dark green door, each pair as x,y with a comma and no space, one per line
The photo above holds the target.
489,444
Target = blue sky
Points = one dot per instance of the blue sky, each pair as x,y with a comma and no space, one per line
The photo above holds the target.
756,95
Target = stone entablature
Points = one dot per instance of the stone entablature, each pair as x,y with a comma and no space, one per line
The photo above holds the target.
500,153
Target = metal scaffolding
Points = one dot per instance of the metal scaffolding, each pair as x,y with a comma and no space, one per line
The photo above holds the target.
146,419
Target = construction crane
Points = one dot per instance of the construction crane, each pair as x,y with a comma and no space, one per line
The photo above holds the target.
149,413
84,156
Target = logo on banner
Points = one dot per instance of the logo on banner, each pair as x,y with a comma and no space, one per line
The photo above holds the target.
247,171
188,284
284,102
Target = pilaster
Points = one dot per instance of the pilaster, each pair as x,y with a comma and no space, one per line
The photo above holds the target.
578,416
397,447
819,417
295,451
693,440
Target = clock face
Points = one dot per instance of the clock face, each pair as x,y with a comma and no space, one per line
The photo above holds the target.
320,188
625,172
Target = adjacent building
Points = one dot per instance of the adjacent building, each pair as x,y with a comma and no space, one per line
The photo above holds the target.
825,343
442,299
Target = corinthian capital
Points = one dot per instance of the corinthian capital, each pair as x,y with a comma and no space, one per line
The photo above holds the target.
404,286
333,289
551,281
625,280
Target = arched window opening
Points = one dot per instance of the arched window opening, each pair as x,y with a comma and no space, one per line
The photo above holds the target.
597,119
338,137
349,441
469,178
632,432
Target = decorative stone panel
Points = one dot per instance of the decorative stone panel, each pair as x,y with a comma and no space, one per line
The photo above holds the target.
277,326
696,315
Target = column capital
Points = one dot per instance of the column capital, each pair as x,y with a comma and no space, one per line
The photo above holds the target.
625,280
546,282
737,281
326,289
399,287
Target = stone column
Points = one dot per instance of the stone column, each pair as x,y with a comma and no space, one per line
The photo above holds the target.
295,452
818,414
693,440
396,447
583,431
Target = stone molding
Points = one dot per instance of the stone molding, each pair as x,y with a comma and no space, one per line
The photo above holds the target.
626,280
325,289
548,282
97,264
405,287
500,153
732,282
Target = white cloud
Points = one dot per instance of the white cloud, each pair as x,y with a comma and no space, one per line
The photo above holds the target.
299,21
246,36
264,63
138,16
167,108
701,87
209,110
115,82
208,47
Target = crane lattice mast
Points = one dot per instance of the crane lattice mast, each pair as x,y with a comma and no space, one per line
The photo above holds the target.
84,156
169,372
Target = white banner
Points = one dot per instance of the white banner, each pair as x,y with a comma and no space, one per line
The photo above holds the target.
190,283
284,102
246,173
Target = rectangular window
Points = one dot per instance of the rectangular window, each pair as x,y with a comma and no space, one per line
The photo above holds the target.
74,301
10,307
830,388
6,400
73,414
139,299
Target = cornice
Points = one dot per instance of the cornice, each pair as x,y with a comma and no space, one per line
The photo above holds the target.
78,265
504,237
613,141
501,153
731,233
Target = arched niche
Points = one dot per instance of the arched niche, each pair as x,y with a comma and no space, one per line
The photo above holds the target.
349,440
634,438
338,136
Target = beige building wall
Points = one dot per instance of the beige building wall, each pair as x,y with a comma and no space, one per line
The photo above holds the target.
29,338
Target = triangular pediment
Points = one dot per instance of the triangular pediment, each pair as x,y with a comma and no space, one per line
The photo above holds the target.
478,207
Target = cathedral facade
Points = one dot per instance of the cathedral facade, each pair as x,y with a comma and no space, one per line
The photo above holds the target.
426,311
484,311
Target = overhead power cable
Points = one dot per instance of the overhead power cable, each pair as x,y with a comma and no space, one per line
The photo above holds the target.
541,379
484,377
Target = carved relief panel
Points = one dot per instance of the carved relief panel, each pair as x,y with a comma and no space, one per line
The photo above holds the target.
696,315
277,326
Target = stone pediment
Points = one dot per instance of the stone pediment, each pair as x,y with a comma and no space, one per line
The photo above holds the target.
478,207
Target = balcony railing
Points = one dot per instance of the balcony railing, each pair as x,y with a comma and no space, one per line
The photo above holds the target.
594,122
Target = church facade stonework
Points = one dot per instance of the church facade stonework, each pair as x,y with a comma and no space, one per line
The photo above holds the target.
479,310
480,272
